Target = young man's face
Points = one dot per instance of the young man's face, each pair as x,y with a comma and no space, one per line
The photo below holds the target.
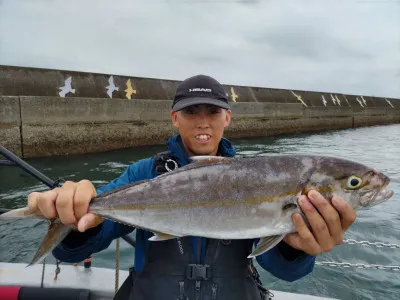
201,127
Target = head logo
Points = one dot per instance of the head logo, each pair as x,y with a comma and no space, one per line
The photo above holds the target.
200,90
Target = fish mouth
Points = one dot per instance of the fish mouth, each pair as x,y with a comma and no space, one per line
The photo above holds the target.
384,193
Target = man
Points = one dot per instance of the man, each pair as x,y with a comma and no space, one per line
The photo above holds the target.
192,267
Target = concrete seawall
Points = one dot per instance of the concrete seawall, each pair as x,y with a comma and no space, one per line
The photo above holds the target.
36,121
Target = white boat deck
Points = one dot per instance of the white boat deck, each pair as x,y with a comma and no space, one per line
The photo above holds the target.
100,281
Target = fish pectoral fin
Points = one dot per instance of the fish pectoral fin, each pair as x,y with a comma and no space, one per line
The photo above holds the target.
55,234
265,244
160,236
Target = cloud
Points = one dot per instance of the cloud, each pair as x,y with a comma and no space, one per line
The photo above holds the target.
342,47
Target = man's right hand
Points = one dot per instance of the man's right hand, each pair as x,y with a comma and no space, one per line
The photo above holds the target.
70,203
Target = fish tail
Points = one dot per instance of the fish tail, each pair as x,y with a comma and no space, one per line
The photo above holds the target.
55,234
20,213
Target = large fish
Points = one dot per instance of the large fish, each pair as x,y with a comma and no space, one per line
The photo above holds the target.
228,198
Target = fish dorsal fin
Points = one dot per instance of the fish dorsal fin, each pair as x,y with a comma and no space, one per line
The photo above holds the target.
209,159
199,161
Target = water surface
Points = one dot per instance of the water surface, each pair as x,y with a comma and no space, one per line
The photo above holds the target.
377,146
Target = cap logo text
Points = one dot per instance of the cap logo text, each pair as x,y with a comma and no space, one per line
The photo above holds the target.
200,90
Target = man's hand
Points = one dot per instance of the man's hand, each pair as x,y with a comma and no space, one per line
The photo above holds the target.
70,203
328,223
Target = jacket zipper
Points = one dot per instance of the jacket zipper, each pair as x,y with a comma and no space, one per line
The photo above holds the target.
214,292
197,289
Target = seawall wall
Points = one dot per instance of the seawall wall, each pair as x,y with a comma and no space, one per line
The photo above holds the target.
52,112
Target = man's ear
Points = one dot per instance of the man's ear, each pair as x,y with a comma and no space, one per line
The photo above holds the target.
228,118
174,117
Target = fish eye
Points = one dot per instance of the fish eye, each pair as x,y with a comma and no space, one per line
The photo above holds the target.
354,182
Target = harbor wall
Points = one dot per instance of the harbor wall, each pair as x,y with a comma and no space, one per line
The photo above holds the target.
45,126
36,121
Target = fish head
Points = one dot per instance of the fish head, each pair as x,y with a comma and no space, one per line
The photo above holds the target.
368,189
362,186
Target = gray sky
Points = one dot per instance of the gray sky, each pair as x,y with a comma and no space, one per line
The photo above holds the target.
339,46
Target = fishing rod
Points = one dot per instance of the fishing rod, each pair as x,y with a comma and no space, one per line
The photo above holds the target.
14,160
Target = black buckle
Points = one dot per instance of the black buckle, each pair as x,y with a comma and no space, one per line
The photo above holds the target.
197,272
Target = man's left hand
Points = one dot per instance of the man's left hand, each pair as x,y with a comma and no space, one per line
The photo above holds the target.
328,223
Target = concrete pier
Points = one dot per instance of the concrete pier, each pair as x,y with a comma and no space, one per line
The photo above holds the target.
54,112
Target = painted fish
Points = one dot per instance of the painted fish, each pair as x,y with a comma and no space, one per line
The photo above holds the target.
228,198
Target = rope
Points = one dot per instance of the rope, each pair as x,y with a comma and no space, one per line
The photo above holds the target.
44,264
368,243
362,266
359,266
117,266
58,270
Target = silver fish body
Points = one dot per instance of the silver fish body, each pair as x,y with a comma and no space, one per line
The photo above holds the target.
237,198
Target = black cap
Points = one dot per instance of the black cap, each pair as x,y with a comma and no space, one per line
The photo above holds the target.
200,89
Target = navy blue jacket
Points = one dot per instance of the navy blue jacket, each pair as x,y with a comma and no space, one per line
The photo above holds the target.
282,261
